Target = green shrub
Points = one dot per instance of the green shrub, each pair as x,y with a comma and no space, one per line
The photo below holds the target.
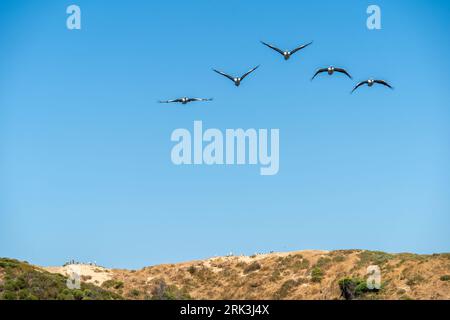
275,275
116,284
323,262
9,295
352,288
317,274
415,280
77,294
339,258
285,288
445,277
301,264
134,293
9,263
373,258
162,291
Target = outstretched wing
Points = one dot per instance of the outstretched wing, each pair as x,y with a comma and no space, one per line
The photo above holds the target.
273,48
248,72
319,71
359,85
343,71
383,83
300,48
170,101
224,74
198,99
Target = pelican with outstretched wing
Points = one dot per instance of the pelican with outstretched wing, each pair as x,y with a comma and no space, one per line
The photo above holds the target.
330,70
371,82
237,80
184,100
286,54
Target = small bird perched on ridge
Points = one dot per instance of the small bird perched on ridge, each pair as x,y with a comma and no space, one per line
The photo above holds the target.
330,71
371,82
236,80
286,54
185,100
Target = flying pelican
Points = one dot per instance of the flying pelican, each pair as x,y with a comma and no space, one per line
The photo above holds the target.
236,80
286,54
371,82
330,71
185,100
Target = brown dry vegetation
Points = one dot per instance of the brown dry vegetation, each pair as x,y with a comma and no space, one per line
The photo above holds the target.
296,275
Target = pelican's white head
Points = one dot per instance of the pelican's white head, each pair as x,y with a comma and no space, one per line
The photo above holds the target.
330,70
370,82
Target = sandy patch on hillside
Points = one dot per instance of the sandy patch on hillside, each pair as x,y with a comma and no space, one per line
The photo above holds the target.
91,274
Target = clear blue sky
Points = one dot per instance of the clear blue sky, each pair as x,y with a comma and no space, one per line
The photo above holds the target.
85,169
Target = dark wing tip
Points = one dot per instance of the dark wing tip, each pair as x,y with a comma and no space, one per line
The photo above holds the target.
320,70
385,83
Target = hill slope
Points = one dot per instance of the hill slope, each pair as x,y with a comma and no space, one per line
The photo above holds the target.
295,275
22,281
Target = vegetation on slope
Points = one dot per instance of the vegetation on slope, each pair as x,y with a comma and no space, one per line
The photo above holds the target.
21,281
309,274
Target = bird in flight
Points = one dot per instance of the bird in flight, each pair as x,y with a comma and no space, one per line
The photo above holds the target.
286,54
371,82
236,80
330,71
185,100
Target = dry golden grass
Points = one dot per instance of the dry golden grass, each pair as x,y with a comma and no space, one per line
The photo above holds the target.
307,275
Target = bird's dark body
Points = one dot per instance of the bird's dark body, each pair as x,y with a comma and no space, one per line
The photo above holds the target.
237,80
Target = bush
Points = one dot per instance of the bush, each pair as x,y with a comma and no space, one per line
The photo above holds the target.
352,288
191,269
414,280
301,264
134,293
9,295
445,278
339,258
162,291
252,267
116,284
316,274
275,275
373,257
85,278
77,294
285,288
9,263
323,262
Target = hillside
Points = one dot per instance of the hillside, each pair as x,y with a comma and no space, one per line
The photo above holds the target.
22,281
295,275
